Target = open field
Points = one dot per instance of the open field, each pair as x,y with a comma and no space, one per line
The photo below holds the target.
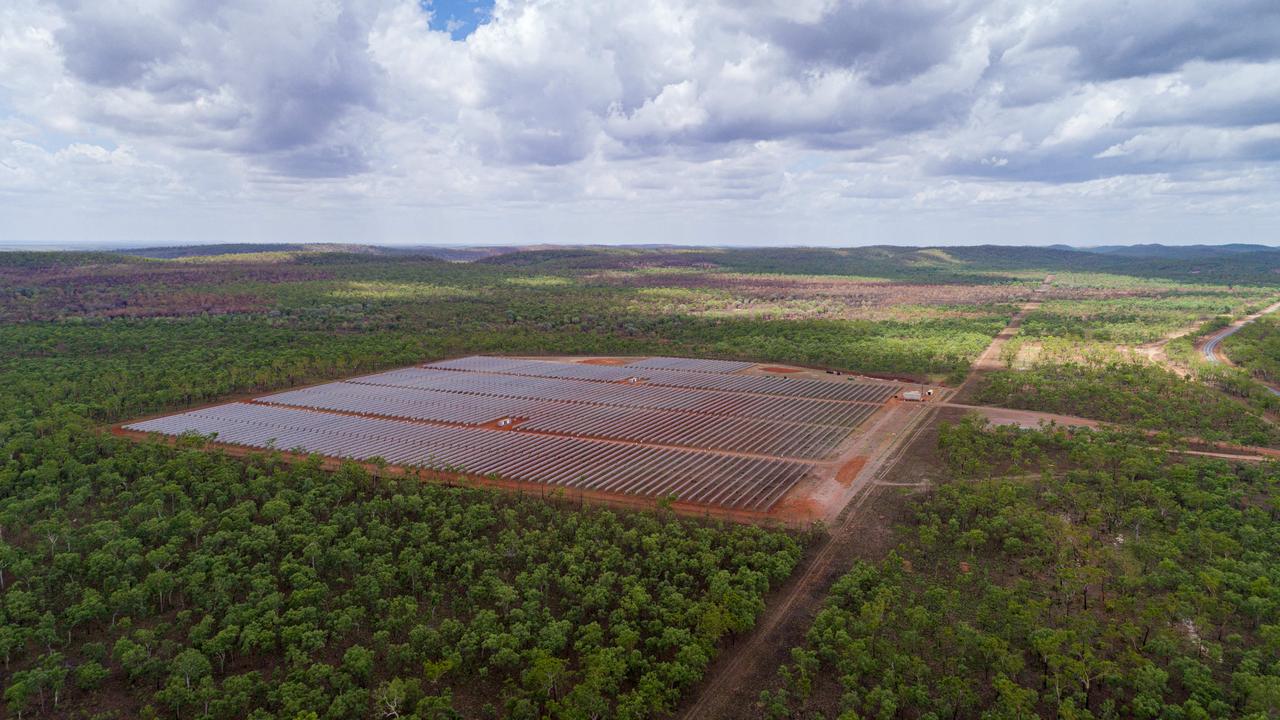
705,436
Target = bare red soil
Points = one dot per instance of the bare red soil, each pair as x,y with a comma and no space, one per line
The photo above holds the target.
850,470
605,361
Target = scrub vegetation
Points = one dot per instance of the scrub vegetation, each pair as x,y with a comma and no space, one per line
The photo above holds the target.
1139,395
1143,317
1256,348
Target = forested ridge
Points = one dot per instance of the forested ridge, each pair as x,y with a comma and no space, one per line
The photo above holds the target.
974,264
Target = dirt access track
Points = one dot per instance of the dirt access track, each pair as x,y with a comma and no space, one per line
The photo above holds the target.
989,360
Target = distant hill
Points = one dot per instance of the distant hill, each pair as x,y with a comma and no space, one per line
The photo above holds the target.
980,263
1180,251
1237,262
467,253
182,251
453,253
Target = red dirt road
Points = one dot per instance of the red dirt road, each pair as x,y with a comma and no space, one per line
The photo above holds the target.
989,360
1028,419
741,671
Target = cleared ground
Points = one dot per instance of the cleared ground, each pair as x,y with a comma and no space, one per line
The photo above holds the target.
707,436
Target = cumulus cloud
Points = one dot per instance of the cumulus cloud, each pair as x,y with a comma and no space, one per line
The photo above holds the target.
666,106
1117,40
284,83
886,41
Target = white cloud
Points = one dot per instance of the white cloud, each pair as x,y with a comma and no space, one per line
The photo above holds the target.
655,108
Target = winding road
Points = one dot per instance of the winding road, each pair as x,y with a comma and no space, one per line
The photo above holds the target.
1213,353
1211,347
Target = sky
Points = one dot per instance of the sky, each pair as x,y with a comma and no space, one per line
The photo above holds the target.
749,122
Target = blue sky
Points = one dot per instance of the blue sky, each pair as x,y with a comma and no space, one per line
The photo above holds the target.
824,122
459,18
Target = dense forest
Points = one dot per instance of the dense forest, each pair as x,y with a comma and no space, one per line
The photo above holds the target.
182,583
1071,576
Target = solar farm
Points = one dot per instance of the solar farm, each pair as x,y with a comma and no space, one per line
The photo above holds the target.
711,435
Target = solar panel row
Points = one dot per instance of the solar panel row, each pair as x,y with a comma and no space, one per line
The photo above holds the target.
763,437
780,386
399,402
791,409
679,378
729,481
535,368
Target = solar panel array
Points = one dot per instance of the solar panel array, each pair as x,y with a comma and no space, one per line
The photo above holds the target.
699,431
730,481
726,430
